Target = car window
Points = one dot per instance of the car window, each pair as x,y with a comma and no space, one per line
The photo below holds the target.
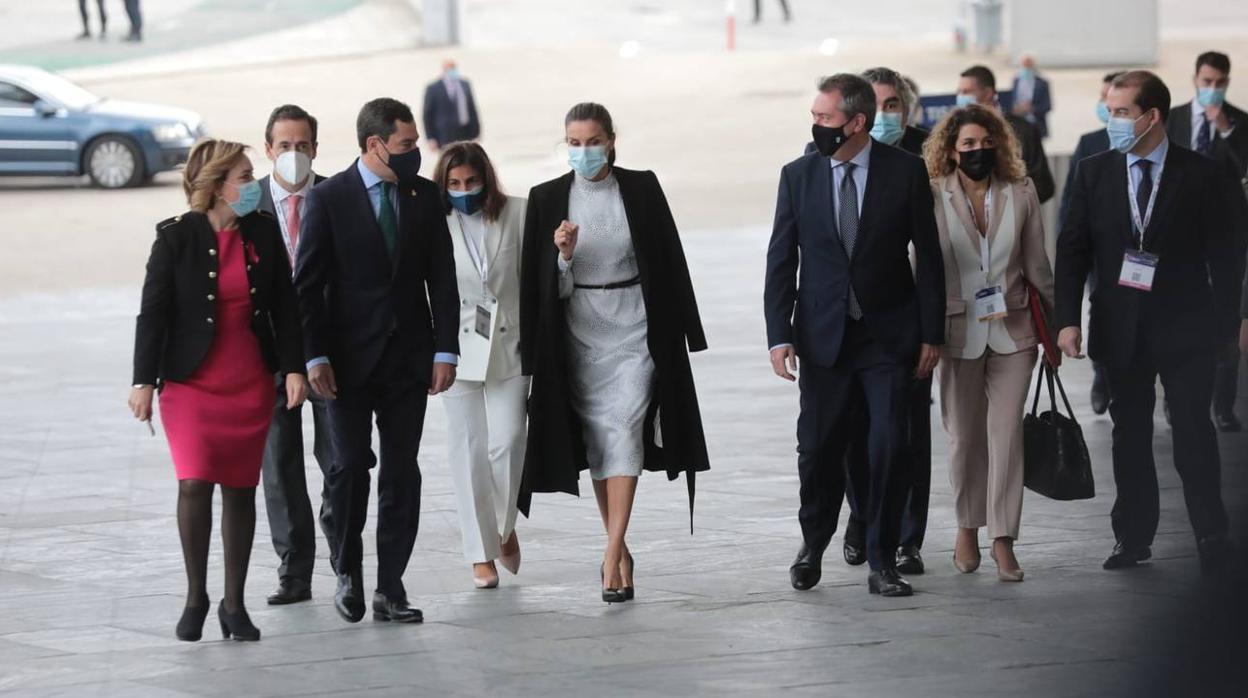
14,96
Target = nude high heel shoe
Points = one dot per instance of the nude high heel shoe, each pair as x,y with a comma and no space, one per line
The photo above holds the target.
1006,575
485,581
511,561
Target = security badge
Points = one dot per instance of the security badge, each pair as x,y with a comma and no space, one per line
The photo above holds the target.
1138,269
484,321
989,304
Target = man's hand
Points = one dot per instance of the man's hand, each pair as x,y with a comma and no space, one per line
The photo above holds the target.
1070,341
929,356
443,378
296,390
1217,116
322,378
784,362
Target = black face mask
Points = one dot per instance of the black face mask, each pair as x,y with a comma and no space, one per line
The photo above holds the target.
828,139
978,164
405,166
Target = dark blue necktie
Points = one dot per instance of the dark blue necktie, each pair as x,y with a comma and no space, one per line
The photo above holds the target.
1143,192
1204,137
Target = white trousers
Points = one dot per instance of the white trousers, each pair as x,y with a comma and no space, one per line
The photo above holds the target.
486,435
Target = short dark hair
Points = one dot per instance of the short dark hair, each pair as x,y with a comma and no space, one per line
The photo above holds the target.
982,76
857,95
592,111
1153,92
289,112
377,119
1110,77
468,153
1214,59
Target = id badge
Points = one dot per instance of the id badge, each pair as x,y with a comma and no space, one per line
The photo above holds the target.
484,321
1138,269
989,304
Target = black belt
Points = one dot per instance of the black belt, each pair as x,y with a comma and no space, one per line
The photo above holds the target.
635,281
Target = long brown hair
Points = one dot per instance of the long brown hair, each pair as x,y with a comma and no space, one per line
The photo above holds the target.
939,147
468,153
206,168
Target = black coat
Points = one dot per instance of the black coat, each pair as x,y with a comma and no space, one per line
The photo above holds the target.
1090,144
1232,152
805,296
354,297
177,320
556,450
1195,296
1034,158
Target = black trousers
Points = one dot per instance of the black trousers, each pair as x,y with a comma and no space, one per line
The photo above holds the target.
136,16
398,399
286,486
1188,383
1226,380
82,10
914,513
864,378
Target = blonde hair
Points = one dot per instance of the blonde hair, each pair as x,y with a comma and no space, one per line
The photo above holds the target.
944,140
206,168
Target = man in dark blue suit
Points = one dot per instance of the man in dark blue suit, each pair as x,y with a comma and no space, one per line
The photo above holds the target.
841,294
380,306
450,109
1032,99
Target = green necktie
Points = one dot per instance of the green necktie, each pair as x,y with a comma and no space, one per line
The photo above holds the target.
385,218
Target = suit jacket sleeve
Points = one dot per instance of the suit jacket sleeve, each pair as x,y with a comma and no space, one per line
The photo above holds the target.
285,313
1226,239
678,270
780,285
1074,256
312,274
152,325
1038,167
429,113
929,265
530,282
441,283
1042,101
1079,154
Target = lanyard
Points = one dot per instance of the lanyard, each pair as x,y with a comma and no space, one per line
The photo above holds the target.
1141,223
984,257
478,257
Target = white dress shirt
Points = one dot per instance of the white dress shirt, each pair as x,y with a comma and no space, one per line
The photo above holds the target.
281,202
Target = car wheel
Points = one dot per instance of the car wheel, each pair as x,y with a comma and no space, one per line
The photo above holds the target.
113,162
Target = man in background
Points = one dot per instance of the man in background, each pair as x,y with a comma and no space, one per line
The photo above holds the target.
450,110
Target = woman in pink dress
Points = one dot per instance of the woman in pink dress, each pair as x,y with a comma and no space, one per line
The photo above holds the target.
219,317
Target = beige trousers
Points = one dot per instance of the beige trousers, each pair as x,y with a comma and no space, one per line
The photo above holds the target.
982,402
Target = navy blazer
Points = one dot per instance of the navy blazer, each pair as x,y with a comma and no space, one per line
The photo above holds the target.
354,298
1041,104
806,291
441,114
1195,295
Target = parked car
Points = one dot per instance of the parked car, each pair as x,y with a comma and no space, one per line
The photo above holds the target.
50,126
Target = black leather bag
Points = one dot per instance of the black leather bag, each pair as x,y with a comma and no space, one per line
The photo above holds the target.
1056,463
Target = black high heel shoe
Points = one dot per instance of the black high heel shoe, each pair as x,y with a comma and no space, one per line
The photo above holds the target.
632,572
237,624
610,595
191,624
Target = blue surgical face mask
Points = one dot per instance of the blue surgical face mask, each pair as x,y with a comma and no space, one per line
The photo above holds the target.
964,100
248,198
468,202
587,160
1210,96
452,74
888,128
1102,112
1121,132
1026,73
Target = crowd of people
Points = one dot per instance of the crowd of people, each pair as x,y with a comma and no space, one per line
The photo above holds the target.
558,328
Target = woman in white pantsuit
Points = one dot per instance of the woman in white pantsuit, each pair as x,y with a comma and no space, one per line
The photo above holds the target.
485,409
993,243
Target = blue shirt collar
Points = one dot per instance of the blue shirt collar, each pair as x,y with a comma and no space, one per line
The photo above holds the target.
370,179
1157,157
862,159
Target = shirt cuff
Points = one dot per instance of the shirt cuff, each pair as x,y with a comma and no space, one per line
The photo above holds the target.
778,346
317,362
564,264
443,357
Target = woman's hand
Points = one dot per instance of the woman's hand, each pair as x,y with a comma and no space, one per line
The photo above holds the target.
296,390
141,402
565,238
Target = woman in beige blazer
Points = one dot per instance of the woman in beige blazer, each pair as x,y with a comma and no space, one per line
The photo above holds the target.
993,242
485,409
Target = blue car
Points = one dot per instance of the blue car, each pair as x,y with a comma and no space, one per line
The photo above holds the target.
51,127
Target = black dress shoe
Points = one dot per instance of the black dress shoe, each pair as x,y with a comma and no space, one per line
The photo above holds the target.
1217,556
855,550
807,569
1125,556
909,560
1226,421
349,598
191,624
290,590
237,624
629,592
395,610
888,582
1100,391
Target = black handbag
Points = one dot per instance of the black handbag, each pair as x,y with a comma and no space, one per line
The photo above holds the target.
1056,463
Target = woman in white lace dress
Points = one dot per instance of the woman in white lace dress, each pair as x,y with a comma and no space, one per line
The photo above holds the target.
606,313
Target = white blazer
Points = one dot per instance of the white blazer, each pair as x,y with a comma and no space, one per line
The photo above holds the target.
499,356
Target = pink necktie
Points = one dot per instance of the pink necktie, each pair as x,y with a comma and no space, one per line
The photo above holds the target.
292,223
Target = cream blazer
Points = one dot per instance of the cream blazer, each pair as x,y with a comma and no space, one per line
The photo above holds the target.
499,356
1018,254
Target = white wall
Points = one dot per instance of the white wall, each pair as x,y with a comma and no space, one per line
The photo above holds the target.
1083,33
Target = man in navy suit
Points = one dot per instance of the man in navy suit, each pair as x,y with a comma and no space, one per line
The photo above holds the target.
380,305
1032,99
841,294
450,110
